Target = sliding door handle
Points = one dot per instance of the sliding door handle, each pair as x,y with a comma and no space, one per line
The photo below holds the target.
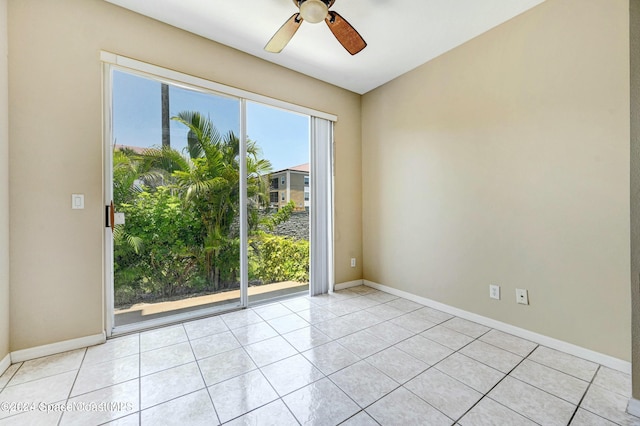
110,216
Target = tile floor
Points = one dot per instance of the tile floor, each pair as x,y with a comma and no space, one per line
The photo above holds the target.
357,357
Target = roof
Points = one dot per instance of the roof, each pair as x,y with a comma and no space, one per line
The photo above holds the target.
136,149
300,168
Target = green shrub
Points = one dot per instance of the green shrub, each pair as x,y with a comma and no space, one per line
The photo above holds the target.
164,264
275,259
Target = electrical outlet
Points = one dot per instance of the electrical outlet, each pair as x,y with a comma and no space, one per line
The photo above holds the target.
494,292
353,262
522,297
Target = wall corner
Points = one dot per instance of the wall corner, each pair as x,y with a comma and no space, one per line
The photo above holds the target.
634,52
4,184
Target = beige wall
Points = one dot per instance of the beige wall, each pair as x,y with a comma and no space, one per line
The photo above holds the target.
4,187
506,161
634,49
56,146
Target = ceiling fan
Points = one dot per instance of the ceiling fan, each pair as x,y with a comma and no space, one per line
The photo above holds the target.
315,11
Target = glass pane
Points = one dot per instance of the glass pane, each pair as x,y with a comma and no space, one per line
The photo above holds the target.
176,179
279,225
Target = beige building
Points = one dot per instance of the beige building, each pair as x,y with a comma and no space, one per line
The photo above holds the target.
290,184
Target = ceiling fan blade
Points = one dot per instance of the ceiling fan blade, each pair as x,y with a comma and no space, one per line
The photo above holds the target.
282,37
345,33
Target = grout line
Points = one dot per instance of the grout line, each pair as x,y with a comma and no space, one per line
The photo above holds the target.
204,382
564,372
280,397
164,402
6,385
485,395
591,382
545,391
75,379
427,402
551,394
362,411
349,396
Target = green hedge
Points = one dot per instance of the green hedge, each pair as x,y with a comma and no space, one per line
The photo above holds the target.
164,262
167,256
275,259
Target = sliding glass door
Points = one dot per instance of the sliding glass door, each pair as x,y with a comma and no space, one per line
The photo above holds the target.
176,188
209,195
279,232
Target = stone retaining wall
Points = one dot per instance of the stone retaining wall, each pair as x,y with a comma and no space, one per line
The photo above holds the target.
296,227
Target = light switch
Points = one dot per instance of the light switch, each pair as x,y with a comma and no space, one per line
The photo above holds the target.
77,201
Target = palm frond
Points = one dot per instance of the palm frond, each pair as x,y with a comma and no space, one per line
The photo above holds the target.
120,235
202,136
165,158
197,188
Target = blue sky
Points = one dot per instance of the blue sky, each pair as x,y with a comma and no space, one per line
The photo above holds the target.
283,136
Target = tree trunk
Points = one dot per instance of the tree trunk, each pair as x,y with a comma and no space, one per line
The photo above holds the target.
211,271
216,278
166,137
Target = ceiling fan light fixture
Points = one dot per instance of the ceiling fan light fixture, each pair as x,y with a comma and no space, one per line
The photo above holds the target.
314,11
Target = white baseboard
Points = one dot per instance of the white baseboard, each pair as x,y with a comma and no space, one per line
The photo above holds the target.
633,407
5,363
58,347
348,284
588,354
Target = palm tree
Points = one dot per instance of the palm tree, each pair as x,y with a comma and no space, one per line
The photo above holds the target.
208,181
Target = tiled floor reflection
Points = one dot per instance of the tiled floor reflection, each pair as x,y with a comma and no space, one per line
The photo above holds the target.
357,357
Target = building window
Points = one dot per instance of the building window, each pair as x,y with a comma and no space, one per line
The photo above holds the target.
282,195
274,183
282,180
306,180
273,197
306,196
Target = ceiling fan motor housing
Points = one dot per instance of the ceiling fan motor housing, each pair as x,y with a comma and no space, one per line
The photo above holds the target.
329,3
314,11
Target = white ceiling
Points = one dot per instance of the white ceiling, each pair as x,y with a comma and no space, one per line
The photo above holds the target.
401,34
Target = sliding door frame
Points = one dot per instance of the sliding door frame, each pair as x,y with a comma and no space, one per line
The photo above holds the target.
113,62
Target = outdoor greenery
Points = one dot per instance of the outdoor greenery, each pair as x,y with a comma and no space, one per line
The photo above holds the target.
280,259
182,212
